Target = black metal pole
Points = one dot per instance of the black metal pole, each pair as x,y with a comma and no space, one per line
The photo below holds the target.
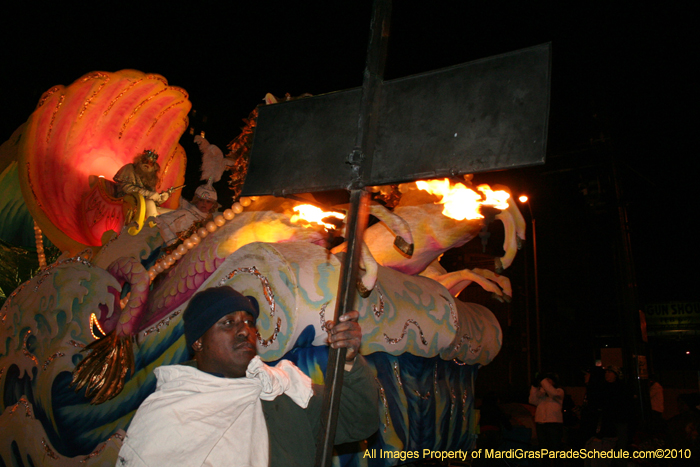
538,325
361,161
635,357
537,297
528,334
344,302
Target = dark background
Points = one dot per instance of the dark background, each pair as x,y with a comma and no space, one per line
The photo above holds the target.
623,96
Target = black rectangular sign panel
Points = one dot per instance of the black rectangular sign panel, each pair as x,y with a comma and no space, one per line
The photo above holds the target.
484,115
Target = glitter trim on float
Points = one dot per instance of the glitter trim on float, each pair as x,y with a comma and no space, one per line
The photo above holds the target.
49,452
322,314
53,117
82,258
26,351
165,322
163,112
397,373
99,450
396,340
269,296
48,94
134,83
120,95
114,237
385,403
273,337
51,359
379,312
464,406
136,110
267,290
453,315
473,350
435,381
31,185
22,400
97,75
425,396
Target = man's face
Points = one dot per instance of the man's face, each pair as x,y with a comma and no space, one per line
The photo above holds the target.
610,376
147,165
228,346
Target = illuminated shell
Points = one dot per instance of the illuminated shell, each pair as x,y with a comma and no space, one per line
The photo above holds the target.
93,127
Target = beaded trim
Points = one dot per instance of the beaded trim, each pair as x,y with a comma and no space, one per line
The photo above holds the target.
396,340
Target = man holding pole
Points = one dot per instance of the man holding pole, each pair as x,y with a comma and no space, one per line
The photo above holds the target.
228,408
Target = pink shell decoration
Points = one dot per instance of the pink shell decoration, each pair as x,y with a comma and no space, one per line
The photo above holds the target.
93,127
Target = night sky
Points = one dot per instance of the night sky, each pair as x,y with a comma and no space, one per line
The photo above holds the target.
622,90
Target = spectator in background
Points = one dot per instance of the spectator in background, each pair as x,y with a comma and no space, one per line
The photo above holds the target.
615,405
656,396
592,409
548,397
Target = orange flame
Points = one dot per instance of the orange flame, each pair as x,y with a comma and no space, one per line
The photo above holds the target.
462,203
307,213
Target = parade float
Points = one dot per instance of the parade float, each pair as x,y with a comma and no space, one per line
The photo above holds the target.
81,338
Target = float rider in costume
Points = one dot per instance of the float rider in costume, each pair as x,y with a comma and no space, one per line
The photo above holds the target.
228,408
172,223
141,177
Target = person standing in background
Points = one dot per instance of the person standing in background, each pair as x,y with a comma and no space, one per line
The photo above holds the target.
548,398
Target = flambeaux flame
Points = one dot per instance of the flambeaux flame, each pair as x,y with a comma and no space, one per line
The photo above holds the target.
462,203
314,215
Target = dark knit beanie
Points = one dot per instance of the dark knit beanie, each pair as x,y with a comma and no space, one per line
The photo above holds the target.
209,305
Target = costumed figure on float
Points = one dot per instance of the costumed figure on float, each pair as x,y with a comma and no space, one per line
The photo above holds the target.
141,177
